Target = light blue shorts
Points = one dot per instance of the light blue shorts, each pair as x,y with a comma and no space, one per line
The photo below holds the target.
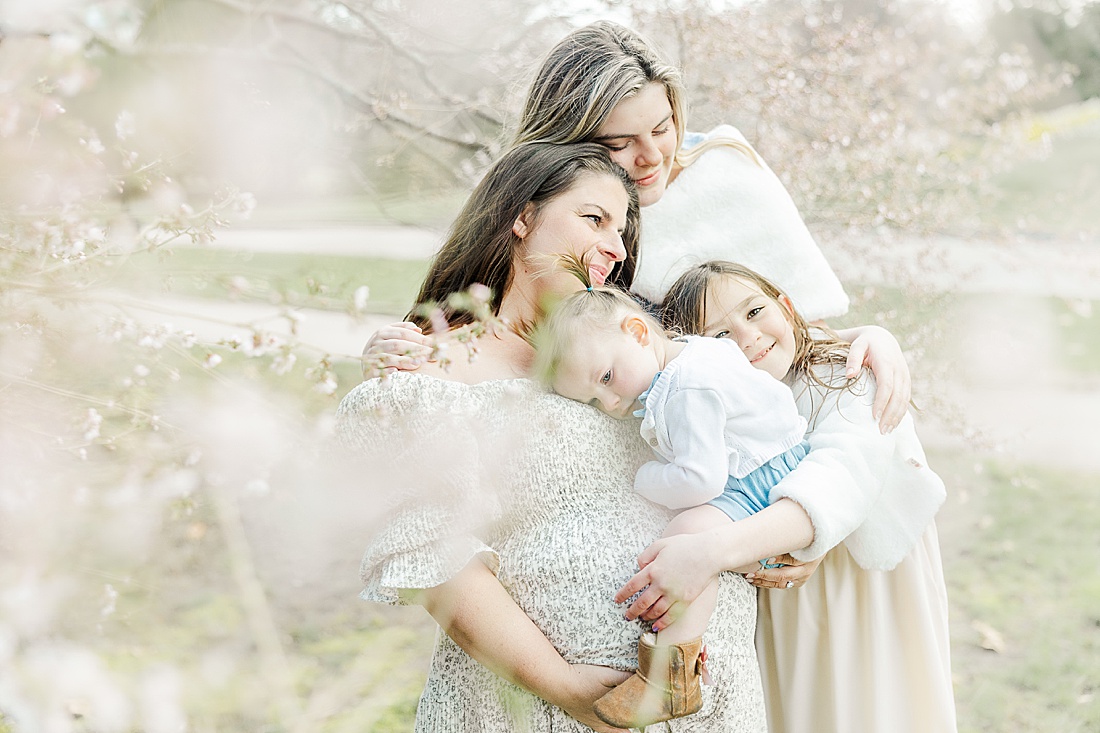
748,495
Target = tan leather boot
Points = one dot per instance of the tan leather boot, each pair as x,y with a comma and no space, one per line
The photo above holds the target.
665,686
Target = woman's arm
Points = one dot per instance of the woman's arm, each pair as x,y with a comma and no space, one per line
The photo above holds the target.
876,348
814,508
478,614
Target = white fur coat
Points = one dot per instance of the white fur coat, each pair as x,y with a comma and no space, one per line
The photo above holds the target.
726,207
873,492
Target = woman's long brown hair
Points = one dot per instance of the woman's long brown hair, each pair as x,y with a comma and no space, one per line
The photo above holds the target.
480,246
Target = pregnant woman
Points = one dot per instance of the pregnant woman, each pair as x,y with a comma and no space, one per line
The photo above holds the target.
519,537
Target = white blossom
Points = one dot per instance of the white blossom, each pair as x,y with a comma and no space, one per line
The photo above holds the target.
360,298
92,422
124,125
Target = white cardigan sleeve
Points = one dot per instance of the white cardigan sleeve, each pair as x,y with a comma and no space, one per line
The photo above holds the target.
843,475
696,420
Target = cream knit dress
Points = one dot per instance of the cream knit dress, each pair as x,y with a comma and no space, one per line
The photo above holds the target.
541,488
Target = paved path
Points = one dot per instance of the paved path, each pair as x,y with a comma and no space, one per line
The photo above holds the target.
1068,269
211,320
393,242
1004,384
946,264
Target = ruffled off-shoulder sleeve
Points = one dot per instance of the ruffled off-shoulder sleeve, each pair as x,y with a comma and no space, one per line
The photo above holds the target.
415,441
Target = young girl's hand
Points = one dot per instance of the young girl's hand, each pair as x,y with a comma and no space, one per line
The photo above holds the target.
674,571
795,573
396,346
875,347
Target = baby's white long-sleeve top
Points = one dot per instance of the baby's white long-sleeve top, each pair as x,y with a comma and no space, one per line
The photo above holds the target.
873,492
711,415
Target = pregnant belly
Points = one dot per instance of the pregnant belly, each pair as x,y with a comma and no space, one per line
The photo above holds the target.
564,571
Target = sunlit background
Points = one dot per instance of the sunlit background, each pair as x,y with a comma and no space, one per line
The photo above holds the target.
207,207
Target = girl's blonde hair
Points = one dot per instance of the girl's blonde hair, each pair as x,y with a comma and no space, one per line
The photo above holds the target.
684,310
586,311
588,73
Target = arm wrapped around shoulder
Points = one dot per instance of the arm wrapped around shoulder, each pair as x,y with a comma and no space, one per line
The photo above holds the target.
415,449
873,492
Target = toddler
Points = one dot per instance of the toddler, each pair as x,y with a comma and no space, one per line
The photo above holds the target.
725,433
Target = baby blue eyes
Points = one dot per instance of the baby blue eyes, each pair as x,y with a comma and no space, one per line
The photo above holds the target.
606,377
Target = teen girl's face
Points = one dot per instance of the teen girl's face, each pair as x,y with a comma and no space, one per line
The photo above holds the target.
738,310
641,137
610,368
586,220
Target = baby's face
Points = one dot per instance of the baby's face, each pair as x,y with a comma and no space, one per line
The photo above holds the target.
608,370
739,311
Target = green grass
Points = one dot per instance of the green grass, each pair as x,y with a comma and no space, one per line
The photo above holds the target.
1059,195
1078,333
320,281
1021,554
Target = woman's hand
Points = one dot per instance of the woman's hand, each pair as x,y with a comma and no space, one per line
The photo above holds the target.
875,347
796,573
587,684
674,571
397,346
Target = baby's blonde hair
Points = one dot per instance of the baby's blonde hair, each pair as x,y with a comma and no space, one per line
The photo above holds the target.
587,311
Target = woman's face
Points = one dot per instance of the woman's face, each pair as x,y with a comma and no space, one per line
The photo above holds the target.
586,220
641,136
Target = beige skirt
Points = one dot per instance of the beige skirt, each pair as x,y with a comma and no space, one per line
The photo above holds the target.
859,651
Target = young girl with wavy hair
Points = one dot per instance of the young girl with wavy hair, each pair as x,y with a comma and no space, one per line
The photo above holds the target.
863,645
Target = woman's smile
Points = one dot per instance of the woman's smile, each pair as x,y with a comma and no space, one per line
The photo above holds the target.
598,273
648,179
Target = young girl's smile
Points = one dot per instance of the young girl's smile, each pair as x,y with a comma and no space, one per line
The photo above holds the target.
738,310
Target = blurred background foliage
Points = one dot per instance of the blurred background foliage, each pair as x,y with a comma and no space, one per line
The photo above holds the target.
178,547
873,112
